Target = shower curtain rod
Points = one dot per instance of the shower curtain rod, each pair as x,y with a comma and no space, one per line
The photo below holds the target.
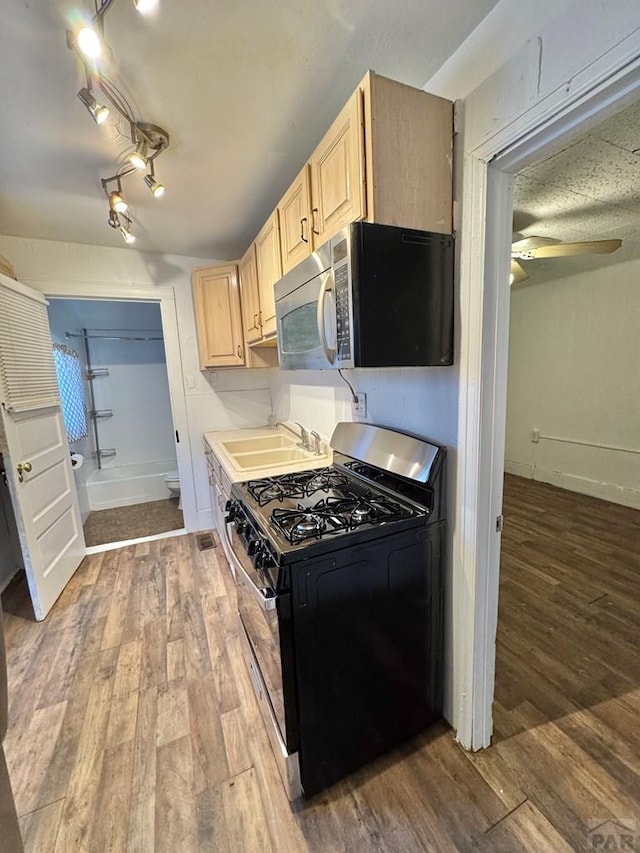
110,337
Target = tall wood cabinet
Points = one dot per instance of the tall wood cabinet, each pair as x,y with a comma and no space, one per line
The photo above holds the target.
216,300
337,174
294,213
386,158
248,272
269,268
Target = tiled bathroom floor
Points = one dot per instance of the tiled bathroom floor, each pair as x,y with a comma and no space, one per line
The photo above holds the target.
132,522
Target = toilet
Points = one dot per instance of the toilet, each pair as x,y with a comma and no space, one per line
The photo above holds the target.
172,481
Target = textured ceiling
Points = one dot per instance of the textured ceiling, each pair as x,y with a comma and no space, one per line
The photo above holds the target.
590,190
245,90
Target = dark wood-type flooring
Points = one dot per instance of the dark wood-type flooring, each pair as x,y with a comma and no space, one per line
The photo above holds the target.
132,522
133,725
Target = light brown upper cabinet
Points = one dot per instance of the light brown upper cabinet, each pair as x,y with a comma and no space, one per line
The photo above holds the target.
294,213
269,267
248,272
216,299
387,158
337,173
408,140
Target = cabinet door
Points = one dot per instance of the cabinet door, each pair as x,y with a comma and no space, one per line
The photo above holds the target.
294,213
337,173
269,268
216,299
250,299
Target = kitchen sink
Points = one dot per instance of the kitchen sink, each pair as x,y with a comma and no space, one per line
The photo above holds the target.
267,458
265,442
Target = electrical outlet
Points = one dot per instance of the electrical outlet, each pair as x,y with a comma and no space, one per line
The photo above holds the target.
360,408
535,435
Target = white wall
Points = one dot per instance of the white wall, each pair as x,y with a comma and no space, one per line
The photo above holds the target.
574,374
214,400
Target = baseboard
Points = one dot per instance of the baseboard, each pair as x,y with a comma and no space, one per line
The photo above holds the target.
520,469
605,491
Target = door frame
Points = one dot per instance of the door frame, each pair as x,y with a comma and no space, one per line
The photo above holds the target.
605,86
165,297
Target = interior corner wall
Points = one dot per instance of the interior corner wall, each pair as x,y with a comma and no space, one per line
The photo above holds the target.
223,399
574,376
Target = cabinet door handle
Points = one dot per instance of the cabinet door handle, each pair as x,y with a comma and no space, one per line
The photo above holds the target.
302,237
313,220
239,351
255,321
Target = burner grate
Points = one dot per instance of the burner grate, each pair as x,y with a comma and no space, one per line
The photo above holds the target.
296,486
332,515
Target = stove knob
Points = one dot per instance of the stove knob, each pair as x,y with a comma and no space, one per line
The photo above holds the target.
262,559
241,525
253,546
231,508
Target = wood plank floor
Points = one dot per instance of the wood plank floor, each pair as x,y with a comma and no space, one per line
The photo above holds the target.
133,725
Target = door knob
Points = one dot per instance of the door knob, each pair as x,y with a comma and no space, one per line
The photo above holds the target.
23,466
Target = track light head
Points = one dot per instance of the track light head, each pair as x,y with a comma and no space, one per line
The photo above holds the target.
138,158
146,6
117,202
156,188
99,113
89,43
127,236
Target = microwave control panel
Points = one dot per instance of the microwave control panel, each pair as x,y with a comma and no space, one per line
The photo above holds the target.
343,314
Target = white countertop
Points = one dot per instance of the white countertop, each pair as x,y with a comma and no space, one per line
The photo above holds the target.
216,438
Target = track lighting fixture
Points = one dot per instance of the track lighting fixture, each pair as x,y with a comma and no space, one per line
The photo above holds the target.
156,188
99,112
149,140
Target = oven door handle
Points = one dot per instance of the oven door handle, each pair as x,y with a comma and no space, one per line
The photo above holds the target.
327,287
266,598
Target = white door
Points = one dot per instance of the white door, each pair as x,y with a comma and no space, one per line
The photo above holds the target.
36,452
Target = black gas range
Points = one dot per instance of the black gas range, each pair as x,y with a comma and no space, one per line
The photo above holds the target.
339,579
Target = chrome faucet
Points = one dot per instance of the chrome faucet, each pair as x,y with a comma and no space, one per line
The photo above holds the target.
316,443
304,437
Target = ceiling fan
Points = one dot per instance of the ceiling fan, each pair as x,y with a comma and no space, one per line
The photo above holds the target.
532,248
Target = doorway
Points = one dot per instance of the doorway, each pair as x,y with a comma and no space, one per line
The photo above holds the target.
569,598
112,372
491,157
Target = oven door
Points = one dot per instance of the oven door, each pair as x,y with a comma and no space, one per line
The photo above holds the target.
259,615
265,658
306,320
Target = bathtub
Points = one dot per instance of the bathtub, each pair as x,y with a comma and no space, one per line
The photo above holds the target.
124,485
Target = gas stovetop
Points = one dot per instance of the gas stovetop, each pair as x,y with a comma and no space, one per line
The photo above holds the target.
315,510
314,504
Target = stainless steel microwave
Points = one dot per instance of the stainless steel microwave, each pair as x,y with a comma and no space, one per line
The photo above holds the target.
372,296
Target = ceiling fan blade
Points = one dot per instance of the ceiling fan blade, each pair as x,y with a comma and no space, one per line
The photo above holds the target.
567,250
525,244
517,273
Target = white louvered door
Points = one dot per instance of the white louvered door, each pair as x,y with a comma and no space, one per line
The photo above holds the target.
36,453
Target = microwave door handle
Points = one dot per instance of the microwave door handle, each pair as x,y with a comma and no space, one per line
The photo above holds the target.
327,287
